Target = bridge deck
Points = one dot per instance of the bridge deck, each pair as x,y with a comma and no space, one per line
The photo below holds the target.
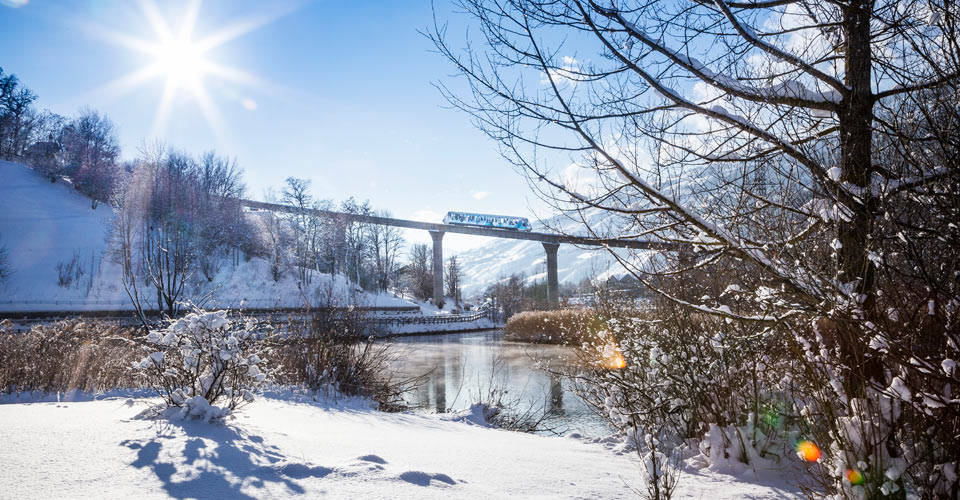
475,231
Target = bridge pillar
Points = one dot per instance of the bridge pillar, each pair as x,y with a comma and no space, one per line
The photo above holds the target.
553,284
437,267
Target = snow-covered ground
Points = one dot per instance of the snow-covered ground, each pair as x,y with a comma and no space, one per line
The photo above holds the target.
283,449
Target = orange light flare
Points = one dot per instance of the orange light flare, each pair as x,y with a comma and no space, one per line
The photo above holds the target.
854,476
612,358
808,451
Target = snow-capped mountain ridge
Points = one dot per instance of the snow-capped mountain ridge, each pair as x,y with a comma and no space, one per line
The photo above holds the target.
485,265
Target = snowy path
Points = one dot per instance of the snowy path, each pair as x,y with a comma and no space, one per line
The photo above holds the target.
277,449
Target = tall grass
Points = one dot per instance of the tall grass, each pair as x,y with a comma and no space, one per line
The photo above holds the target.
66,355
564,326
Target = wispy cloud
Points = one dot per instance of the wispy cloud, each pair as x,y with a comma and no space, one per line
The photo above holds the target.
479,195
566,74
426,216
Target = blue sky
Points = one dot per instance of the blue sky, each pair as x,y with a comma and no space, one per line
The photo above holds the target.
337,92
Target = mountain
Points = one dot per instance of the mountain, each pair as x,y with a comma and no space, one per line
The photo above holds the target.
485,265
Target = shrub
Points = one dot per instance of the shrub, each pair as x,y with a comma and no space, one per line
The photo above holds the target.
659,471
66,355
4,263
674,377
70,271
334,351
570,326
205,359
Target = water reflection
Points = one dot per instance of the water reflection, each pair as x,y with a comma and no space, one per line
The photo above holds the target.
466,368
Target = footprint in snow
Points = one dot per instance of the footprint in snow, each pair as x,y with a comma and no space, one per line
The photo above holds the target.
373,458
303,471
363,465
424,479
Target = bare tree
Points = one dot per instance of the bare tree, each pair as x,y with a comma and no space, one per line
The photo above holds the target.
420,274
223,229
383,243
17,117
45,152
808,146
296,194
174,217
131,210
90,151
509,295
355,241
453,278
276,234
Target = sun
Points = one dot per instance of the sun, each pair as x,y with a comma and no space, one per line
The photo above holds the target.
181,61
175,55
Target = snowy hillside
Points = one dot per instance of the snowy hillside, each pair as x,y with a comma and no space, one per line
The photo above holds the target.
43,225
48,225
485,265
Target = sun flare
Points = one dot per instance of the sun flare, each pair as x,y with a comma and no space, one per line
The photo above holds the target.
181,62
185,63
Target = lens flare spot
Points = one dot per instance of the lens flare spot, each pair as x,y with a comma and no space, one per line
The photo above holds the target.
617,362
808,451
612,358
854,476
770,418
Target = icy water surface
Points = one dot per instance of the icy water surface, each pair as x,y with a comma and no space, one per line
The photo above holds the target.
465,368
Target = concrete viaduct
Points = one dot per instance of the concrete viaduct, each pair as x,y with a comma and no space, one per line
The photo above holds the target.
551,242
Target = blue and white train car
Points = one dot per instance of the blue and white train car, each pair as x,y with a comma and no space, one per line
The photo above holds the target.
486,220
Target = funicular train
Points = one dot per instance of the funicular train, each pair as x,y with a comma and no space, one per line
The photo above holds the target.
486,220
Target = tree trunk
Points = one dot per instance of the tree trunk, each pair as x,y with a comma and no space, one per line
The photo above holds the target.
856,138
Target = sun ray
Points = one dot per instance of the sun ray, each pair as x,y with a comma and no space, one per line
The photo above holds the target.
156,20
211,113
189,20
235,75
163,109
126,84
240,28
130,42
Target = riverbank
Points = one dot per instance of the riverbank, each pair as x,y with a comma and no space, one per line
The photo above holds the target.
286,448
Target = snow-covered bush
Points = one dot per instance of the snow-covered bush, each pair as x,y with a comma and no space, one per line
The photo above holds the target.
685,374
747,393
203,360
679,384
896,438
659,470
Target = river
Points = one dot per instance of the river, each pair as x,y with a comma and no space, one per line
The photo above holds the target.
465,368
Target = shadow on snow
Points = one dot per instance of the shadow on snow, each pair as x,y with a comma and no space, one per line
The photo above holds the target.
217,461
